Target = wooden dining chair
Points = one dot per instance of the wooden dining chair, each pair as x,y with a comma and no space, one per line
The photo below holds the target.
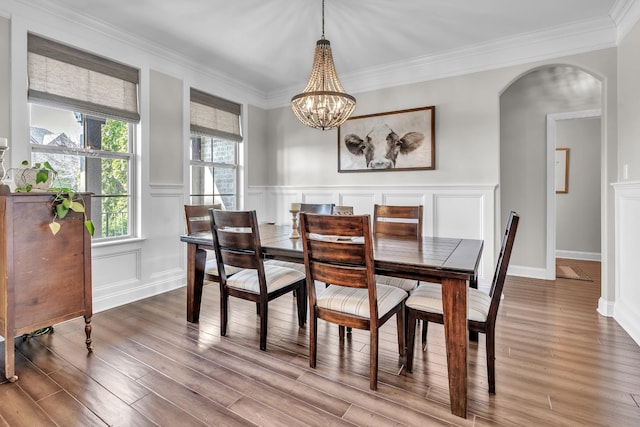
402,221
398,220
198,221
425,303
319,208
236,241
338,250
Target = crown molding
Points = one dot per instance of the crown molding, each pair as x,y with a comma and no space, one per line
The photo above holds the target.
536,46
625,13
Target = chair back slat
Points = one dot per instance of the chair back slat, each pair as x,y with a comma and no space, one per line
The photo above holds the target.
398,220
342,275
502,265
339,252
197,217
319,208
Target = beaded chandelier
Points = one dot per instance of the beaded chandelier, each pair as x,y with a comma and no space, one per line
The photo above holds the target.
323,104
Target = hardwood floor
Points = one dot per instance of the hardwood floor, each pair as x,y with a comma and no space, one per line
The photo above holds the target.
558,362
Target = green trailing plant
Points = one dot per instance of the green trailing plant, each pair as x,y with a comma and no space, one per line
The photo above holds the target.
64,200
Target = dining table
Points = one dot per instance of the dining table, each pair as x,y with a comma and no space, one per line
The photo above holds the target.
453,262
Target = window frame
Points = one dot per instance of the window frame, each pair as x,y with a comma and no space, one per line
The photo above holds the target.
129,156
235,166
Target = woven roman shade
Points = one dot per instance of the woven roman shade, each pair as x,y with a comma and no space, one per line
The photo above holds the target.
62,76
213,116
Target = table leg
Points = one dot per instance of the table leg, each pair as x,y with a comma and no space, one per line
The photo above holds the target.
454,307
196,260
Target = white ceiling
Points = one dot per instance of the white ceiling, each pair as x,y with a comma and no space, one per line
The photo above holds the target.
268,44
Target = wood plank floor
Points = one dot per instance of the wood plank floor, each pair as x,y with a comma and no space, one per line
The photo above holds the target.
558,363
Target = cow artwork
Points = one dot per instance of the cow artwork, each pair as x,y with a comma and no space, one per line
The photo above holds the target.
381,146
389,141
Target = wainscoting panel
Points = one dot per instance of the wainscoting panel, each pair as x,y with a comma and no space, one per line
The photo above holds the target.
627,235
456,215
451,211
164,249
129,270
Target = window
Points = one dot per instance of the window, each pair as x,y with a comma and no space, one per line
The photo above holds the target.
91,154
215,133
83,107
213,171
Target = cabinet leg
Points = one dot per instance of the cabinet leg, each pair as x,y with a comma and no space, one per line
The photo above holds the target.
87,332
9,359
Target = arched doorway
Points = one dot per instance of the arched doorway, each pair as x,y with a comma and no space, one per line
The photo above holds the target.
526,181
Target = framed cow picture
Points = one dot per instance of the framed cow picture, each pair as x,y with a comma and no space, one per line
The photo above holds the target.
394,141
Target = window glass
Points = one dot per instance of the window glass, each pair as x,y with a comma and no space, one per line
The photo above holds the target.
91,154
213,171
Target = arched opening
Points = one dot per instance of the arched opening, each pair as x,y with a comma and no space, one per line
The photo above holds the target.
555,94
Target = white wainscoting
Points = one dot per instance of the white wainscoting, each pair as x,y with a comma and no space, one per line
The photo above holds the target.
130,270
627,244
450,211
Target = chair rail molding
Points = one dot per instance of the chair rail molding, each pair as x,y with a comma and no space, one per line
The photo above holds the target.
464,211
627,247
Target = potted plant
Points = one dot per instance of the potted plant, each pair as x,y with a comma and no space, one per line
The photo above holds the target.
39,177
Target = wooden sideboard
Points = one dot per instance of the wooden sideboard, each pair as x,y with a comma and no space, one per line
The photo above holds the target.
44,279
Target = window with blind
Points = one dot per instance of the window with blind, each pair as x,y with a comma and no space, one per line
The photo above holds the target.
215,134
83,110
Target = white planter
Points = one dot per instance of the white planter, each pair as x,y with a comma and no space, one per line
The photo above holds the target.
24,177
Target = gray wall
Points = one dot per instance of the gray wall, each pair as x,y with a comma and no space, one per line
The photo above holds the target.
468,142
523,150
5,83
629,97
166,140
578,211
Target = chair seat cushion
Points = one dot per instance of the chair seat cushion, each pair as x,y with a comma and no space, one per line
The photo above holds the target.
211,268
356,300
404,284
294,265
428,297
277,277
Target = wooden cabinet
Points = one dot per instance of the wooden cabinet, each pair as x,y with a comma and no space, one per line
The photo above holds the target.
44,279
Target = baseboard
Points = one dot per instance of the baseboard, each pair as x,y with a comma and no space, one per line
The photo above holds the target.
586,256
532,272
121,298
605,308
629,319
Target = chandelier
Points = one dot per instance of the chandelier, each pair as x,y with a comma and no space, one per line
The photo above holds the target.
323,104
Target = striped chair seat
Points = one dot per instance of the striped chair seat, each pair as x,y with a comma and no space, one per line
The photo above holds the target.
398,282
277,277
211,268
428,297
356,300
296,266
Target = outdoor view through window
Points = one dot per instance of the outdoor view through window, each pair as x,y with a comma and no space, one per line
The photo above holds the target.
213,171
91,154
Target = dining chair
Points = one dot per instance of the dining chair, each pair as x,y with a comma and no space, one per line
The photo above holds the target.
398,220
338,250
320,208
198,221
236,241
425,303
402,221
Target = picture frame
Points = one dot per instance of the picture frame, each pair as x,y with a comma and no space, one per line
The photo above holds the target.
401,140
562,170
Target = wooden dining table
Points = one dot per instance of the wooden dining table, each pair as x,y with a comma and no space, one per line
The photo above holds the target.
450,261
